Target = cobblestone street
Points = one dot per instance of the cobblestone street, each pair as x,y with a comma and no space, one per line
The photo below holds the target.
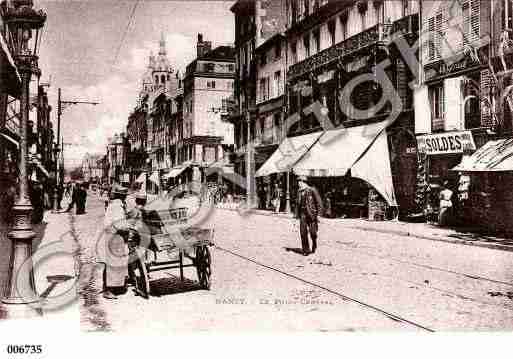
260,283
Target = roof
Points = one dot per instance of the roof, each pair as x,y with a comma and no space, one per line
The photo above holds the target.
225,53
279,36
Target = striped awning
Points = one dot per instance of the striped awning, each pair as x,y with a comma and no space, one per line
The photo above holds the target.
290,151
494,156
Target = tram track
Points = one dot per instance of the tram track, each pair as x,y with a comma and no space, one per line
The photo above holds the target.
387,314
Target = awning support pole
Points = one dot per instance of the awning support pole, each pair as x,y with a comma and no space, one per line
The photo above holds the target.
287,199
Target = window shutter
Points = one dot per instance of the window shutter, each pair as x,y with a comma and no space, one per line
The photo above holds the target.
452,100
439,35
465,7
474,21
431,30
422,110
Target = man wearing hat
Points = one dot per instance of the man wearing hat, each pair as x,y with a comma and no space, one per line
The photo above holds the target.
112,249
308,208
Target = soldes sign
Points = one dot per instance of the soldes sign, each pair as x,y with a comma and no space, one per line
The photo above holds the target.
449,142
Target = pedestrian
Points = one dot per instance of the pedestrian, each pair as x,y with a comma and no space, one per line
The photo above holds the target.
112,249
81,198
445,208
37,199
308,208
329,200
277,198
73,189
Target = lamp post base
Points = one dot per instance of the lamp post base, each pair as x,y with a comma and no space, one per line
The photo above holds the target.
21,299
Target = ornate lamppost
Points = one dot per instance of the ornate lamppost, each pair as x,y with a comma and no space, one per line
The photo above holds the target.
22,28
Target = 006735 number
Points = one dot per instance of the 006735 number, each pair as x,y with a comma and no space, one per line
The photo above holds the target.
24,349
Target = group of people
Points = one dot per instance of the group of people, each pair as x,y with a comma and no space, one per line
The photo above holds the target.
78,193
270,197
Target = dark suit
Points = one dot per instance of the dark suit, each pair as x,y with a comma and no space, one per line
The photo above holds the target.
308,209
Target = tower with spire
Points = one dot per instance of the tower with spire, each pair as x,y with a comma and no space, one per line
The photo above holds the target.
159,74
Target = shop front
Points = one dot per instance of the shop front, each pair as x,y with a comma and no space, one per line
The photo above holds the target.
274,176
351,168
488,174
441,153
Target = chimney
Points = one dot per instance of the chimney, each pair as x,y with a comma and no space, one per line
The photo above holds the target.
202,47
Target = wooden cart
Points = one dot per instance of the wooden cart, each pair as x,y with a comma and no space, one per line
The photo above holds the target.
162,239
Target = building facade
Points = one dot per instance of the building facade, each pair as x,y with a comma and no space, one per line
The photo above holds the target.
208,80
260,56
463,108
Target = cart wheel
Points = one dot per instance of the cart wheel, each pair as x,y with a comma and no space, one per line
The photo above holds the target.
141,279
203,266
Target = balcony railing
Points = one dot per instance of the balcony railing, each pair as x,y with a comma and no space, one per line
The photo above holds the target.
378,34
407,25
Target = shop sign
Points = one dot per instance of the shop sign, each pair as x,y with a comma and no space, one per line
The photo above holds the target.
448,142
449,66
358,64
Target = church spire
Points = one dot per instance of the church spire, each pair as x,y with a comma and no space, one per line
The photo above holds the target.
162,50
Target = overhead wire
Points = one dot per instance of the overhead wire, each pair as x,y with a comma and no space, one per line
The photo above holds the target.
130,19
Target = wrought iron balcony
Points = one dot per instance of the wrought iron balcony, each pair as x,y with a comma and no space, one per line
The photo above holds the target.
378,34
407,25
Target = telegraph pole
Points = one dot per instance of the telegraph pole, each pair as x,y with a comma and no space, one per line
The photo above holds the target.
61,106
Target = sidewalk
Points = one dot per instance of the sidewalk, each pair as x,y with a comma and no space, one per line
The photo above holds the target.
415,230
55,251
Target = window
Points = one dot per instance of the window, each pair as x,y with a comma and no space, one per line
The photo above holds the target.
156,79
307,8
306,44
262,89
277,51
263,59
507,15
406,11
293,50
437,103
332,27
163,79
277,84
343,23
317,40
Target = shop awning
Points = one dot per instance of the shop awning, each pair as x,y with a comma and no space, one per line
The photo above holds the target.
493,156
155,178
10,79
174,172
141,178
288,153
362,149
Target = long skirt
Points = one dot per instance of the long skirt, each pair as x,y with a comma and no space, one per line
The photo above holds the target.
113,252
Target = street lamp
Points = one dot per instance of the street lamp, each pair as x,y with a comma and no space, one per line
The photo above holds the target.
22,25
148,169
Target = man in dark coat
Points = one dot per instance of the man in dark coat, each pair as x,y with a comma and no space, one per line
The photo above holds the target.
74,196
81,198
308,209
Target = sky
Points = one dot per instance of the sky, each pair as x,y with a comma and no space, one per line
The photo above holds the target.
78,55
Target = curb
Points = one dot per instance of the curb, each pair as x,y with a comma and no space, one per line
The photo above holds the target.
398,232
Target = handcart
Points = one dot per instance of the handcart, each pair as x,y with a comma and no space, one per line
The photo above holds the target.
165,243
